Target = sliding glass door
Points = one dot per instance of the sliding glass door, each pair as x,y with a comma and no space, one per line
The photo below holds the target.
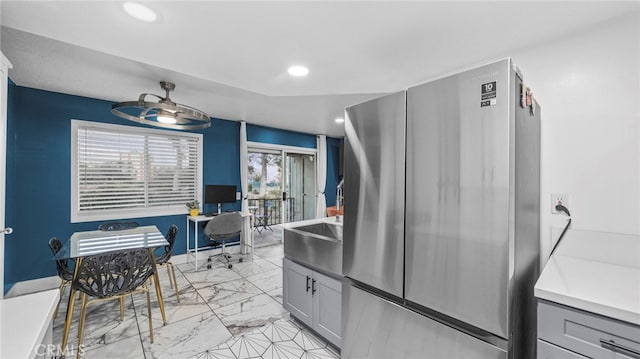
281,183
300,186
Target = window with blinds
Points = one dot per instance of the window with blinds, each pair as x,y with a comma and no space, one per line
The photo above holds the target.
128,172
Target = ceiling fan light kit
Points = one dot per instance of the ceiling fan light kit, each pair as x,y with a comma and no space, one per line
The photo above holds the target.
164,113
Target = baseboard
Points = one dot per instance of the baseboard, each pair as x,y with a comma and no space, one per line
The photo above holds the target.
33,286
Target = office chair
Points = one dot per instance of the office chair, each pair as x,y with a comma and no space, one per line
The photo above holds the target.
111,275
62,267
223,228
117,226
165,257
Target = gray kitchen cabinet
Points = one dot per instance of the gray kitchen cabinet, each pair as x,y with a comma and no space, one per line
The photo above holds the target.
327,307
566,332
550,351
313,298
296,291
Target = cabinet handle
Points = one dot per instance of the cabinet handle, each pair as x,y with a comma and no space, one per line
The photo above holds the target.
313,286
617,348
308,283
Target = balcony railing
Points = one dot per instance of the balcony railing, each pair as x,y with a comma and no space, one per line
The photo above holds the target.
272,209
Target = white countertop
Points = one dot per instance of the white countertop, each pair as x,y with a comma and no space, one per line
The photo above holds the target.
331,220
24,321
597,272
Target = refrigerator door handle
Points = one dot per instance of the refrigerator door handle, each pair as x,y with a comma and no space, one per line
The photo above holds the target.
308,283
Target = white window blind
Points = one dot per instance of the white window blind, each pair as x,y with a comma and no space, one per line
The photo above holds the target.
127,172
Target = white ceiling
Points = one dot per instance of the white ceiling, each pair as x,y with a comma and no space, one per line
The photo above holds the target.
229,58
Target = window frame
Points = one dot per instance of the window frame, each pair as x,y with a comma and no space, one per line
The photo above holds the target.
111,214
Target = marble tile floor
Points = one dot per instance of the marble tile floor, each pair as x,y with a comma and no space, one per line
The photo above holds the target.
223,313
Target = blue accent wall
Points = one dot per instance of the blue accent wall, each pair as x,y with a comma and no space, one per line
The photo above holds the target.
281,137
39,169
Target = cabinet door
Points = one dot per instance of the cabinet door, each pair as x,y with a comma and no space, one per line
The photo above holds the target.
550,351
589,334
296,291
327,307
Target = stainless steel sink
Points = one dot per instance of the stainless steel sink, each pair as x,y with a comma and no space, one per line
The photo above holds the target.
329,230
318,245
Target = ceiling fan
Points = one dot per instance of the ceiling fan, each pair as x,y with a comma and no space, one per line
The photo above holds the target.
164,113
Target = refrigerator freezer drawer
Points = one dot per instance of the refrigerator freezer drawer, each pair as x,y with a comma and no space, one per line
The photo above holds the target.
378,329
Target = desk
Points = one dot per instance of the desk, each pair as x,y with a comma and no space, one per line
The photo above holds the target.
246,239
87,243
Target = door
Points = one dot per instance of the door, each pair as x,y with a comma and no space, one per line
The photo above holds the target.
265,184
300,187
296,291
458,197
4,68
373,244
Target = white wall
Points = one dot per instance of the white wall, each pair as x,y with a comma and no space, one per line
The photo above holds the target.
588,85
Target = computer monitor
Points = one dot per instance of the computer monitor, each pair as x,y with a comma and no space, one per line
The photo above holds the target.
219,194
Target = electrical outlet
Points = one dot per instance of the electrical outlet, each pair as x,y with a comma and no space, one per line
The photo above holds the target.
559,198
238,196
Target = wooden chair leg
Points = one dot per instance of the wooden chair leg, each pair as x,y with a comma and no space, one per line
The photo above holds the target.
61,289
171,281
156,283
122,308
175,283
67,323
83,316
147,291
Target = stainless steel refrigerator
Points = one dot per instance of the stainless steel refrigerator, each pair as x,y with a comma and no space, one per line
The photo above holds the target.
441,226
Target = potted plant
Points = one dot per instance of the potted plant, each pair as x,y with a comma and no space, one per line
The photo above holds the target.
194,207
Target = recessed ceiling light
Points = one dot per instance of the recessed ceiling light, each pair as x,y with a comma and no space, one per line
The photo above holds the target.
298,71
140,12
339,120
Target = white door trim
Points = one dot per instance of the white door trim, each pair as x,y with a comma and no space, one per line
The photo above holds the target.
5,65
279,148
